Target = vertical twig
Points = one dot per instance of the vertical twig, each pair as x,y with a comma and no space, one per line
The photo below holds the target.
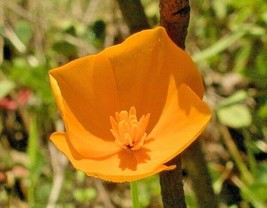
134,15
174,17
195,163
59,164
36,8
103,194
1,31
171,183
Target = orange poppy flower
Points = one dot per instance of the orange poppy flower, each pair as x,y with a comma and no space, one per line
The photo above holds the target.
129,109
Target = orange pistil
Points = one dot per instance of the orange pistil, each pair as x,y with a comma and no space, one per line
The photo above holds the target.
129,133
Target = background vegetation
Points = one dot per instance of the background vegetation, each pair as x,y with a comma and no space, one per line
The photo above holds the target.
228,41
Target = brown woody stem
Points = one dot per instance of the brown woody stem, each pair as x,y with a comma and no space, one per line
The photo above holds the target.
134,15
171,183
175,16
195,163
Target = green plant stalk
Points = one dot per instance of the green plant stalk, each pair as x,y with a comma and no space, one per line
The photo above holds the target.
245,174
220,45
1,30
134,194
248,193
251,159
9,201
32,153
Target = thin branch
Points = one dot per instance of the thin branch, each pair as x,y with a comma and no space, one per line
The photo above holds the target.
103,194
1,31
174,17
59,164
20,11
171,183
134,15
10,34
195,163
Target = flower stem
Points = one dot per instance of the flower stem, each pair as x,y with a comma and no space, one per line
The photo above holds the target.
134,194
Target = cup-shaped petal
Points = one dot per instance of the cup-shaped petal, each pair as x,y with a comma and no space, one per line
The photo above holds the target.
147,72
142,66
86,94
184,116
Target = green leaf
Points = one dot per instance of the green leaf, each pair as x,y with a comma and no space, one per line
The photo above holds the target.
24,31
84,195
5,87
65,48
263,112
237,97
260,190
235,116
220,8
259,187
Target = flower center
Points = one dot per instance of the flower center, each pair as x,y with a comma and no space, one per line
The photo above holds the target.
129,133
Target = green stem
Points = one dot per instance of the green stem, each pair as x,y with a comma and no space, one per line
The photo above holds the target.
228,140
251,158
134,194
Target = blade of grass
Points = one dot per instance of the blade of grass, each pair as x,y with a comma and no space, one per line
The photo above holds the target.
251,158
32,152
1,32
228,140
248,193
219,46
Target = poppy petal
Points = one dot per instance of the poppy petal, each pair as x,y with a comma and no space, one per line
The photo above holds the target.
110,168
85,114
184,117
91,147
144,72
85,85
142,66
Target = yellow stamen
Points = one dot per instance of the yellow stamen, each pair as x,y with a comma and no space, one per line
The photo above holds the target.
129,133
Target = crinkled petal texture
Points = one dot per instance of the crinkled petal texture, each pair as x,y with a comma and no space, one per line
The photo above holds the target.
146,71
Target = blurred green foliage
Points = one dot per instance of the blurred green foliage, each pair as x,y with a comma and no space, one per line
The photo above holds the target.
228,41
